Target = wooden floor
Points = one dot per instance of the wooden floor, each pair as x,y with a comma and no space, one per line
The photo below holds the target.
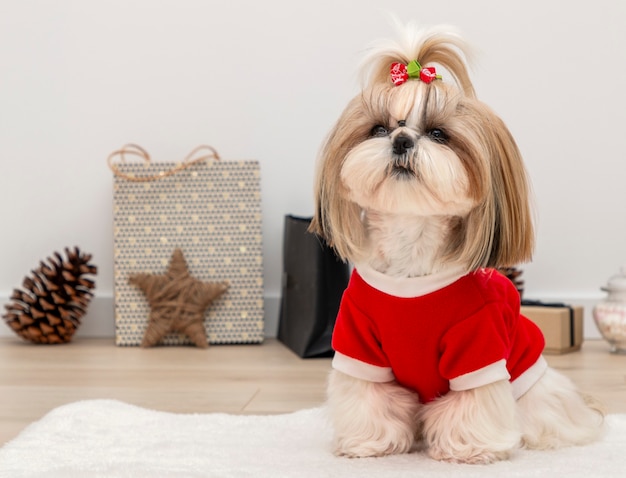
252,379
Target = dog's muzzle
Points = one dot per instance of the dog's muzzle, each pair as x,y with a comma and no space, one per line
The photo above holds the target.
401,165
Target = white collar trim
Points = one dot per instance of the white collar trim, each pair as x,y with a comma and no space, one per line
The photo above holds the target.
407,287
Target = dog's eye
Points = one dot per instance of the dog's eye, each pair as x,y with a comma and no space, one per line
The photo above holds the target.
379,131
438,135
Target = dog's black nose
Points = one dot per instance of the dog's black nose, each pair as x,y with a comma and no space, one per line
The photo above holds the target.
402,144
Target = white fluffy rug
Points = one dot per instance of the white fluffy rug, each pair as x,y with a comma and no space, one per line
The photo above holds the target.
106,438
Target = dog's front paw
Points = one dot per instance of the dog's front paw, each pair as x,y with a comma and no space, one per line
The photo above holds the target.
371,418
476,426
467,456
370,448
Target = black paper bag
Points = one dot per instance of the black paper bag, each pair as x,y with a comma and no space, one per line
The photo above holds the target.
314,279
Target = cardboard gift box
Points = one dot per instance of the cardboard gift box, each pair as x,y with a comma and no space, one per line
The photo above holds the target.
562,325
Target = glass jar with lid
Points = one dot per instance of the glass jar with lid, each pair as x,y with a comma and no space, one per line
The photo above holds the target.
610,314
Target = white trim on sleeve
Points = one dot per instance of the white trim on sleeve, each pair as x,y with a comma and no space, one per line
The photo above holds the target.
525,381
486,375
361,370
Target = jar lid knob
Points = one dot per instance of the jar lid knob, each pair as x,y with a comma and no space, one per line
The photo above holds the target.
617,283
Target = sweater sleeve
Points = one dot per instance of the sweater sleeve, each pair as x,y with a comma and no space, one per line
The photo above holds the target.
475,351
358,352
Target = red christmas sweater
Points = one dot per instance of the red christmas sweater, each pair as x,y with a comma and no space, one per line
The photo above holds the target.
437,333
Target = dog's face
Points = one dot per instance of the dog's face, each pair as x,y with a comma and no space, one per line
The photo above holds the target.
412,153
420,149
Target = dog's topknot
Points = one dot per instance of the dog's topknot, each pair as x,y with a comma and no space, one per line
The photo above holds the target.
441,45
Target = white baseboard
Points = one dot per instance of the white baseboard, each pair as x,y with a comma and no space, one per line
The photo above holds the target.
98,322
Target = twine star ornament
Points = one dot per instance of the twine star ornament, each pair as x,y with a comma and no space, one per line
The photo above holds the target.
177,302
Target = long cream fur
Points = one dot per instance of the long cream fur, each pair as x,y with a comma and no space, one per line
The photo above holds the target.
473,426
464,203
387,416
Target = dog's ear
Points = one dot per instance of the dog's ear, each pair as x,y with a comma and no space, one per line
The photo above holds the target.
499,232
338,222
337,219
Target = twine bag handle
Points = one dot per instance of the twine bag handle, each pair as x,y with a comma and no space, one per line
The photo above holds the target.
136,150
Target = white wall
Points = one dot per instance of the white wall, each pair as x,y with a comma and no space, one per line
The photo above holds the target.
266,80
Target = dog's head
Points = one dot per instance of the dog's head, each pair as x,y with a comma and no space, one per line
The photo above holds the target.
418,143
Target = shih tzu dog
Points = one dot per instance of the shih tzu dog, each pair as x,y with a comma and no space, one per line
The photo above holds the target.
422,187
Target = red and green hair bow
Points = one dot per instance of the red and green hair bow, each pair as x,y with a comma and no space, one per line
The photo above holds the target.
400,73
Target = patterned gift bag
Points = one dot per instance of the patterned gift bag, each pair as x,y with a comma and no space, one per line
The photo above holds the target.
209,208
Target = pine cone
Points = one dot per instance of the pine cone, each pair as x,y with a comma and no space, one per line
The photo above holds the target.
54,299
513,274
